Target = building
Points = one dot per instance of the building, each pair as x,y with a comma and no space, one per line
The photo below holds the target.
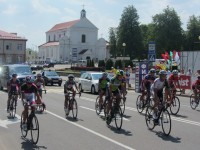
73,41
12,48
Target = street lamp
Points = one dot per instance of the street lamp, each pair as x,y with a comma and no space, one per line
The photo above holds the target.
124,45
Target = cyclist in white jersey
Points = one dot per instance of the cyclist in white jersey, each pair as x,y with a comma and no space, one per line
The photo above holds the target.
157,90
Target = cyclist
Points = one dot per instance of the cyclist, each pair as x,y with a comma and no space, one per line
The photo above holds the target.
68,86
196,87
30,91
102,87
13,87
39,82
114,91
146,84
157,91
173,78
122,86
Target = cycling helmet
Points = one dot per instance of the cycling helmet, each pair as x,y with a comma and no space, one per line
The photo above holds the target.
28,79
121,72
39,75
162,72
152,70
198,76
118,73
175,72
70,76
105,75
14,75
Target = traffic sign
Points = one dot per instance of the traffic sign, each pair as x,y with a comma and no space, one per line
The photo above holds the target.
151,57
152,48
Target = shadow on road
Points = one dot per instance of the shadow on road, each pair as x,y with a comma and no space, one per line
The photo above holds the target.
180,116
121,131
126,116
28,145
167,138
69,118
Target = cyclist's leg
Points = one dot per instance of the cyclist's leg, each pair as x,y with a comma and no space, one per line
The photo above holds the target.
8,101
74,92
101,93
195,94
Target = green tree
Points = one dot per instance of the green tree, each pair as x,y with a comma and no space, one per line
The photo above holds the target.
192,34
109,64
168,31
129,32
113,41
118,64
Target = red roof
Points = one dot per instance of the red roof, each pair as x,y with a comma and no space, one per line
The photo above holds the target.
64,25
50,44
6,35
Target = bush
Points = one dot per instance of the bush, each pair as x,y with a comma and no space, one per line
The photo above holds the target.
118,64
88,68
101,63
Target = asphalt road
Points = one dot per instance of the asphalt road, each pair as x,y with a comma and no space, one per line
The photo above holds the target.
90,132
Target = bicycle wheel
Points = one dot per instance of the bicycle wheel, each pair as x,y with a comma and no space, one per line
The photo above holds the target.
97,107
118,118
74,109
34,127
193,104
41,107
166,122
24,132
149,118
122,106
175,106
139,104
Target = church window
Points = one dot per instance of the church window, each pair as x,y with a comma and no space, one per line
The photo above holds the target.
83,38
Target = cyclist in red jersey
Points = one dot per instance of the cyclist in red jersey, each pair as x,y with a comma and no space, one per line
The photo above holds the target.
196,87
172,80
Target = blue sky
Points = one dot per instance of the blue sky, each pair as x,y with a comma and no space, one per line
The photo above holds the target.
32,18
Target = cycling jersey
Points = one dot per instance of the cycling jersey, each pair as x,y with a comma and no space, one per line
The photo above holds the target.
159,85
103,83
29,92
196,83
14,86
69,85
39,83
147,81
115,83
172,79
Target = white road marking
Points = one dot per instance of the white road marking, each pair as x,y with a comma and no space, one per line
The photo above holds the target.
102,114
93,132
5,123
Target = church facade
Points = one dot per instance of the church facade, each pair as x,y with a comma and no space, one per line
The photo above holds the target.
73,41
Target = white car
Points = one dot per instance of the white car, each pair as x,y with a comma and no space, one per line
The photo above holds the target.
89,81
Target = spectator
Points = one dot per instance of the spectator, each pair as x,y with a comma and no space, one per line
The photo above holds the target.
189,73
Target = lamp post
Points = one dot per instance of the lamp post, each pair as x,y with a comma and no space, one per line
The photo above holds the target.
124,46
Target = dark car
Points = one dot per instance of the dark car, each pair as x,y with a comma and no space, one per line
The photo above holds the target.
6,72
51,77
48,65
36,67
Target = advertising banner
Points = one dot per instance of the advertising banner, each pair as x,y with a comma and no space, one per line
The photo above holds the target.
185,82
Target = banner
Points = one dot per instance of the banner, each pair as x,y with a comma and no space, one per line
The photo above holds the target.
185,82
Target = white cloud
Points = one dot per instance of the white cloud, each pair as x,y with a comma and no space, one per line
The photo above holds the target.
44,7
110,1
10,10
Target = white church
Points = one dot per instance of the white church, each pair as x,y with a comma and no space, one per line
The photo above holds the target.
73,41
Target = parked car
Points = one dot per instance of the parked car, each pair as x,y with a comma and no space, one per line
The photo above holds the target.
51,77
36,67
21,70
89,81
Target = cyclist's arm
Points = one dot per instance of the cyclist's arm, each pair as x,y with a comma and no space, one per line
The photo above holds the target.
77,87
43,82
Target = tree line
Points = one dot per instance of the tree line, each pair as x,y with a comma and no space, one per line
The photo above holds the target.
165,30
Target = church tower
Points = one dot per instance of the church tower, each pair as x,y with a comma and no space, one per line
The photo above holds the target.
83,13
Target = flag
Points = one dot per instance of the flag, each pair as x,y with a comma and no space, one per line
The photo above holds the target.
174,54
167,55
163,56
177,59
171,55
